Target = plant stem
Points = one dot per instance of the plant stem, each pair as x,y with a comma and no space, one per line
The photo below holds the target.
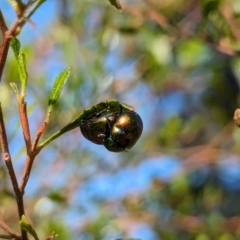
8,161
10,231
26,172
37,5
25,124
37,148
75,123
8,34
5,44
6,155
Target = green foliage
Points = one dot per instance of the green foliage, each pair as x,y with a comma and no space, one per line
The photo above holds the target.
21,62
57,88
16,45
24,224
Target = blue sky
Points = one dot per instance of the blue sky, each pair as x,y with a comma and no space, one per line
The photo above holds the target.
41,18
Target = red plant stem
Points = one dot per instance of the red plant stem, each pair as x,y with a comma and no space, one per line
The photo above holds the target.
25,124
7,35
8,161
39,133
31,156
7,157
5,44
27,137
10,231
27,170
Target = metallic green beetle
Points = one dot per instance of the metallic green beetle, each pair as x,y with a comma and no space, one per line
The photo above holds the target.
112,124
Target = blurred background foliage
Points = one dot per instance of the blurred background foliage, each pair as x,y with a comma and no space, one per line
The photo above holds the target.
177,62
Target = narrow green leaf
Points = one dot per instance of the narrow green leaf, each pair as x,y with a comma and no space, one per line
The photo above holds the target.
21,62
22,71
57,88
15,44
116,4
25,225
14,87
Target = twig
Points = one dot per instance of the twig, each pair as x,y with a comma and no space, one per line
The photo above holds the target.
31,156
26,172
37,148
39,133
10,231
22,106
5,44
8,161
70,126
33,151
25,124
7,157
8,34
38,4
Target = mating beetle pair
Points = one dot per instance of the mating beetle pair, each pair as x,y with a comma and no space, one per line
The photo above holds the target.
112,124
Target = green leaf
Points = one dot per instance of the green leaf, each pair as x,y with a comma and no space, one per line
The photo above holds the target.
57,88
22,71
25,225
116,4
15,44
21,62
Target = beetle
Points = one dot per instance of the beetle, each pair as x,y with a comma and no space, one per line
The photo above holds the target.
112,124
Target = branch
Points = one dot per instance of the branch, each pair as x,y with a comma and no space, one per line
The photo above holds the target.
26,172
5,44
7,156
22,106
36,148
8,34
39,133
10,231
70,126
31,156
8,161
